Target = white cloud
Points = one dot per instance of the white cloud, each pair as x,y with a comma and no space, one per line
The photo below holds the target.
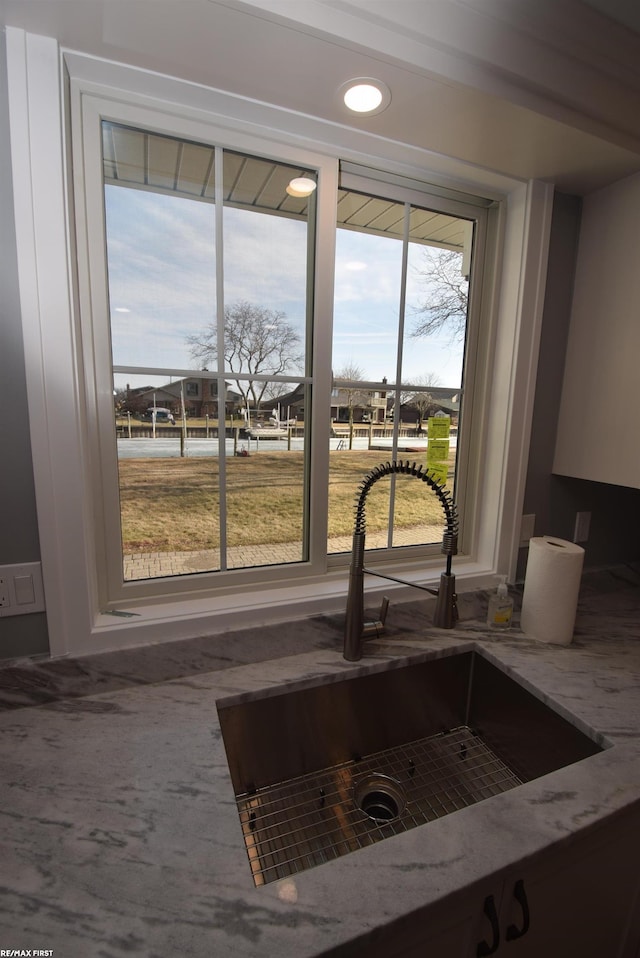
355,266
162,270
162,265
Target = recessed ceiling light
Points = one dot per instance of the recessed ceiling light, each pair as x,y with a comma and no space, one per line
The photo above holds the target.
365,95
301,186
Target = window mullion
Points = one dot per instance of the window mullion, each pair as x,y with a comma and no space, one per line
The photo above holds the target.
401,311
221,385
309,391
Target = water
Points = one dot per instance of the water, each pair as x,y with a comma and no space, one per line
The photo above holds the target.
169,448
163,448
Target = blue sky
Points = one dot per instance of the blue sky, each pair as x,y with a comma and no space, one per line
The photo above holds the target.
162,285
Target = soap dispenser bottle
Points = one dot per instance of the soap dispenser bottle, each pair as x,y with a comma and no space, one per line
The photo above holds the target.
500,610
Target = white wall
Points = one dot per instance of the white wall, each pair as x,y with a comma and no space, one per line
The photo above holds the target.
598,424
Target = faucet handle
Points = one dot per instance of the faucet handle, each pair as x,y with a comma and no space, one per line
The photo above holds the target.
384,608
377,628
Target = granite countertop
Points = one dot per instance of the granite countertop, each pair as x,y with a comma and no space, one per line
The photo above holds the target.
120,834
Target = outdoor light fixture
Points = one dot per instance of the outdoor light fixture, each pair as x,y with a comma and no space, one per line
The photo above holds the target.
365,96
301,186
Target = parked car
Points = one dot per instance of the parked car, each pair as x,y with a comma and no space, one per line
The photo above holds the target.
161,415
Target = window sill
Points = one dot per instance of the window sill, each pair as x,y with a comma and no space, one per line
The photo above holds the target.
177,618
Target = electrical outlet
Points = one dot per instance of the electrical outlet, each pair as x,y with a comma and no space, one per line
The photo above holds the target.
21,589
581,531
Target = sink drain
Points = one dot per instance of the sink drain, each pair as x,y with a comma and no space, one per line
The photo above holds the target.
380,797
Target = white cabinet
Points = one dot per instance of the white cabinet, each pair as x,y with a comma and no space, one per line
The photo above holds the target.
578,899
598,417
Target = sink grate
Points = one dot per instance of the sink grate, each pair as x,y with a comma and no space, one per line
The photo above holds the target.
312,819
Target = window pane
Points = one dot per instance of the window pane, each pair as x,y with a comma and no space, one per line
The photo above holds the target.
213,466
266,480
365,344
401,305
433,350
435,320
368,285
168,477
267,293
160,247
266,276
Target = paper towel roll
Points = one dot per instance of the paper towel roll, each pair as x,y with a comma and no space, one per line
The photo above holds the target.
551,587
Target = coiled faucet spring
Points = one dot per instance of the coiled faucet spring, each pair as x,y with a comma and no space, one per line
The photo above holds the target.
356,629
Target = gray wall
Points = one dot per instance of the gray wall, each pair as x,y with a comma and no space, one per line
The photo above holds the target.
615,530
614,537
21,634
615,523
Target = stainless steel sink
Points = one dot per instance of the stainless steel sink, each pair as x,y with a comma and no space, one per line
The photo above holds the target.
325,768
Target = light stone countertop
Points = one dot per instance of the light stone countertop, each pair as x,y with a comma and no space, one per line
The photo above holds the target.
120,834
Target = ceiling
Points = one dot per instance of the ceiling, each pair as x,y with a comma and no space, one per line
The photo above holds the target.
163,164
547,90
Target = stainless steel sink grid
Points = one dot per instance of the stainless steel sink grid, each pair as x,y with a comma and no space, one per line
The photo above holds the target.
328,766
314,818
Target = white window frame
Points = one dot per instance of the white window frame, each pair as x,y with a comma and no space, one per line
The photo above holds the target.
87,111
469,454
59,357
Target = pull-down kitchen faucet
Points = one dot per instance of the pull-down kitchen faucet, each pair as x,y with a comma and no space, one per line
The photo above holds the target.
446,613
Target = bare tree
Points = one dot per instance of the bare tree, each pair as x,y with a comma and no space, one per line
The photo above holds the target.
445,305
422,400
257,341
352,396
131,401
121,401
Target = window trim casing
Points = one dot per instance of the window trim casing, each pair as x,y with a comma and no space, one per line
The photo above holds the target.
45,243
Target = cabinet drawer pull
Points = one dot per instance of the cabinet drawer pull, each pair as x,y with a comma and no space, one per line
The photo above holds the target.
520,896
483,949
